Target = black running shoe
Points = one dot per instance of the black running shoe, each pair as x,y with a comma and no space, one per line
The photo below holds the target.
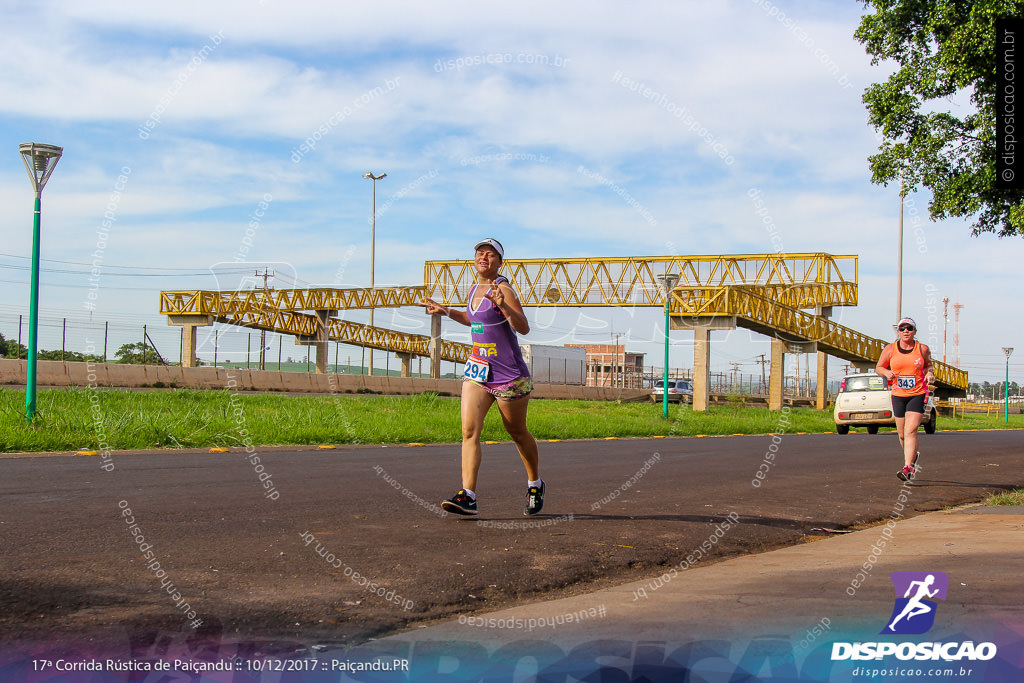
534,499
460,504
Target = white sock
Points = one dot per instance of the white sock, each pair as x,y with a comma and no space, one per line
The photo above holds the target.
535,483
472,496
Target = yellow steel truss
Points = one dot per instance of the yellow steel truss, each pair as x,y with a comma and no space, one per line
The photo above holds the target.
202,302
307,328
821,279
755,311
763,291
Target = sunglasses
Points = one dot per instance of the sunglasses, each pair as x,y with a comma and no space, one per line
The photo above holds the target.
906,328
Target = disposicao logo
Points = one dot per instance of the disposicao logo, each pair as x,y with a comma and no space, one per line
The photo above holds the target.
913,613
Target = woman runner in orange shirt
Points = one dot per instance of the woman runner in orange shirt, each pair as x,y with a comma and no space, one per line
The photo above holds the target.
907,365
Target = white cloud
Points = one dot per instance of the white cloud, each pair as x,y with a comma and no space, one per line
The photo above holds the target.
500,144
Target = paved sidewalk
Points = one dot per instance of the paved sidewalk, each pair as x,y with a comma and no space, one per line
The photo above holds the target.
835,588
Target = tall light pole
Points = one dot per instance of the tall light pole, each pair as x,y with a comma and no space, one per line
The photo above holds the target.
40,160
373,246
1006,387
668,283
899,264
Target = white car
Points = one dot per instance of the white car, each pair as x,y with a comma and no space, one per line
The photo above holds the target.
679,390
864,400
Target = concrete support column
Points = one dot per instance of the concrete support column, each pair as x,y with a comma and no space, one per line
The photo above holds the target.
188,347
701,367
434,346
776,374
406,359
821,398
702,326
321,342
188,344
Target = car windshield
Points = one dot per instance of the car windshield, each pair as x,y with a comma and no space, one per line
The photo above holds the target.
865,383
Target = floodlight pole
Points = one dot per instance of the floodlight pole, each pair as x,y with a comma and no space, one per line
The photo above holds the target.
373,248
40,160
1006,387
668,282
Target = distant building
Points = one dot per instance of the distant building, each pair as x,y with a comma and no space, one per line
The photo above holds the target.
611,365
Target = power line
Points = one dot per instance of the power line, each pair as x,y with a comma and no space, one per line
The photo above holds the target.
110,289
239,269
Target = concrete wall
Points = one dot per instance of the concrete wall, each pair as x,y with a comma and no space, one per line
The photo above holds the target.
51,373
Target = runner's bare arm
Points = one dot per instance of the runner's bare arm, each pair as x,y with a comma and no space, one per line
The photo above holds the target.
504,297
434,308
882,368
926,353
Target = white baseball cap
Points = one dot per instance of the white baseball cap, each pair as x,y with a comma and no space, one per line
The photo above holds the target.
492,243
906,321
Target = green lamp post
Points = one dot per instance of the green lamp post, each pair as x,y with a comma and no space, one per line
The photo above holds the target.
668,282
40,160
1006,386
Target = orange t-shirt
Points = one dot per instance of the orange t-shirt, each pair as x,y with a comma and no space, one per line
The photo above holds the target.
909,369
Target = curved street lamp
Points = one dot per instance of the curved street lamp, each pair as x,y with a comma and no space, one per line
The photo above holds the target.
373,243
40,160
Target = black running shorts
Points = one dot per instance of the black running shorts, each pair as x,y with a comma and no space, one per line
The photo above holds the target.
901,405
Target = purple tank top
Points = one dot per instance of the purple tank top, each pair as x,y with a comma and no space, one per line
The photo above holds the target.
495,341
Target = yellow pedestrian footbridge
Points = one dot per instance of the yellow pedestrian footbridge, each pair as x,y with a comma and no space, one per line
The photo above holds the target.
769,293
755,309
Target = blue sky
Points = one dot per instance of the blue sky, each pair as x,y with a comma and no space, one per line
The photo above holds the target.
562,129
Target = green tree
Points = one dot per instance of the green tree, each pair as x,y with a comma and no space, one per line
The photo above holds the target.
138,354
942,51
69,356
9,348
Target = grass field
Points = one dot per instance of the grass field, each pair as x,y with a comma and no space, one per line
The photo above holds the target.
72,419
1008,498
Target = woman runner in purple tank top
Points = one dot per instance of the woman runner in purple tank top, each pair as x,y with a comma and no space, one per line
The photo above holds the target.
495,372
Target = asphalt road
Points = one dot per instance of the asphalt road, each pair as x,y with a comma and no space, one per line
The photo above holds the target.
336,547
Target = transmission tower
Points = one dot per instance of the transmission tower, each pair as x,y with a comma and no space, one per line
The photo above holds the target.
945,325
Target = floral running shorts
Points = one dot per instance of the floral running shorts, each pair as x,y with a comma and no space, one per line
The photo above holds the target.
508,391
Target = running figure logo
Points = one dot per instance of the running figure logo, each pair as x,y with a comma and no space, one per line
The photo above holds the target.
914,612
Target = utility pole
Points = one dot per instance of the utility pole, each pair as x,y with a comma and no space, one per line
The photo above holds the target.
616,371
763,362
266,275
735,369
